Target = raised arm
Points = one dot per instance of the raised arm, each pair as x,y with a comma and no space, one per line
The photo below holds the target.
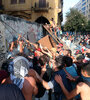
12,46
21,46
35,45
47,53
37,77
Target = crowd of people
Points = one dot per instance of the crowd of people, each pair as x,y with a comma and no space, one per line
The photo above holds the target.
33,71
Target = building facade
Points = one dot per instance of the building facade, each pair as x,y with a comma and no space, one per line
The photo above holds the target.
40,11
84,7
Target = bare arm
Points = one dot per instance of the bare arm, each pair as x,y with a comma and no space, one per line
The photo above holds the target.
47,53
45,84
37,77
87,51
12,45
35,45
21,47
19,36
69,95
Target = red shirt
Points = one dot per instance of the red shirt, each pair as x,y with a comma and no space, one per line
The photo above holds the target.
35,54
67,33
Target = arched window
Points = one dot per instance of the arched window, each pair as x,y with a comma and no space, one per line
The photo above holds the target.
13,1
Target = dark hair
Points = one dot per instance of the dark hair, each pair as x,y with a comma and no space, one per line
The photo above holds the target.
38,44
58,62
88,55
80,57
69,51
67,61
86,67
52,19
14,39
43,59
21,39
5,65
24,55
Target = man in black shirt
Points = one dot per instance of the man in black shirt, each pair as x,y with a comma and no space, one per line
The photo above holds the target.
10,92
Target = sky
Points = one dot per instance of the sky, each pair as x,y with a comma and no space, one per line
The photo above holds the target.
67,4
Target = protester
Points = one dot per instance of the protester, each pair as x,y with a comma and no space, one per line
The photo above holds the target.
87,57
53,27
10,92
52,23
83,88
42,70
60,49
36,69
68,52
16,46
18,69
57,66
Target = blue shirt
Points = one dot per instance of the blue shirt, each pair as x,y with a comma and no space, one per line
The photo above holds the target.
57,88
72,70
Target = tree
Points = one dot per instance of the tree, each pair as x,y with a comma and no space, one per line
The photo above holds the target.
76,22
88,27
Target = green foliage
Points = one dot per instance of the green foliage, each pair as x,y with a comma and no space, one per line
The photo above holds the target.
88,26
75,21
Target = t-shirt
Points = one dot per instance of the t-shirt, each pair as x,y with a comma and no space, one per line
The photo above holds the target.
10,92
72,70
56,87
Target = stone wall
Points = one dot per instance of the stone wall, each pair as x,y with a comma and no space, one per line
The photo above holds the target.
2,43
11,27
14,26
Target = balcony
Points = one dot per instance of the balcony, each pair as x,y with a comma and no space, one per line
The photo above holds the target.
39,7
